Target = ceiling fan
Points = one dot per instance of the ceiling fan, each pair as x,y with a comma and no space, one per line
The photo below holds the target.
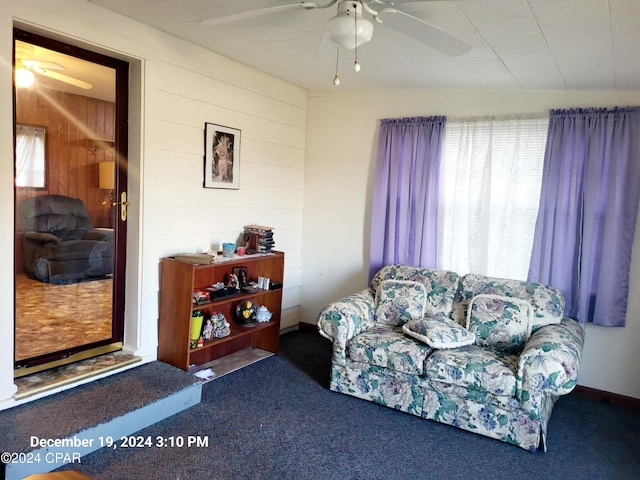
349,28
25,67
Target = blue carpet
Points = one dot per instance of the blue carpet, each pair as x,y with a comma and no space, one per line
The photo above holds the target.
276,420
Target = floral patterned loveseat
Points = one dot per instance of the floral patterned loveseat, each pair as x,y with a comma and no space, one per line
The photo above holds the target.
483,354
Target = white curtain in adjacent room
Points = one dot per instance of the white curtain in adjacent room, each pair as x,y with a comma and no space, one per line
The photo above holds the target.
30,160
490,182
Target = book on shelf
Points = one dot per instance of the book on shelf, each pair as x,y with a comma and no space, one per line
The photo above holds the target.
261,238
259,229
195,258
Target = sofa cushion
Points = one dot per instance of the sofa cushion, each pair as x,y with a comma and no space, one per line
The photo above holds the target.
499,322
547,302
387,347
399,301
439,332
440,285
479,368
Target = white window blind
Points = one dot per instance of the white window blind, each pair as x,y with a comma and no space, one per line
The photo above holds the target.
490,183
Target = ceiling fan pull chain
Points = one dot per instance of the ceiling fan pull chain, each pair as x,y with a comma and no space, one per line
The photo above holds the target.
336,79
356,65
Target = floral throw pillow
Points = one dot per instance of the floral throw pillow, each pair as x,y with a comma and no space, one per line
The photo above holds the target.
500,322
439,332
399,301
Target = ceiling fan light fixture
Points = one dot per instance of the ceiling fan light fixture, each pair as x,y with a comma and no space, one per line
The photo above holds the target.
24,78
349,28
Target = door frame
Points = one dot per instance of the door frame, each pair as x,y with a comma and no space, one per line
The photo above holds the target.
121,132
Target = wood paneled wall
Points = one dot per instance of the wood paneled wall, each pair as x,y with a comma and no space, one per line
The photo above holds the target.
74,123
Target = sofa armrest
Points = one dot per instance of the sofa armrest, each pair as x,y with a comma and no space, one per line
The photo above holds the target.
41,238
344,319
98,234
550,360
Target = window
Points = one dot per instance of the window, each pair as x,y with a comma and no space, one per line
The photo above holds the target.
490,182
30,158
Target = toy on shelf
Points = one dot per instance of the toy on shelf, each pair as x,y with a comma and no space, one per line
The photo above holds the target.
263,314
220,328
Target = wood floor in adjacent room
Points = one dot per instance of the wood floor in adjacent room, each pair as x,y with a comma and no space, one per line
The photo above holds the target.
53,317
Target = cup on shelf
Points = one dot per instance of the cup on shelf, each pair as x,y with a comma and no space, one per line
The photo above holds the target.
228,249
196,325
240,251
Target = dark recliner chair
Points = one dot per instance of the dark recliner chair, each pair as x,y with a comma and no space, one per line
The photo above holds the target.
59,244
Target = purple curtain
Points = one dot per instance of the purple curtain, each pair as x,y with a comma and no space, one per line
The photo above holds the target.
404,218
588,211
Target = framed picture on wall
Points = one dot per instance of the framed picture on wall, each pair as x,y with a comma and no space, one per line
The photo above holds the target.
221,156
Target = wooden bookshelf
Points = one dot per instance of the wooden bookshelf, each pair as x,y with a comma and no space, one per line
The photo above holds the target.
178,280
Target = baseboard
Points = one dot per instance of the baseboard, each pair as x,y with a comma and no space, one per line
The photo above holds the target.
309,327
607,397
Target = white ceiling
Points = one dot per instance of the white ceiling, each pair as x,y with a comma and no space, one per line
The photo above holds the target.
516,44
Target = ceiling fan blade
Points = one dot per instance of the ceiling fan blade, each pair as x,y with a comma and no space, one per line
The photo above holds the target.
423,32
41,64
63,78
325,50
261,12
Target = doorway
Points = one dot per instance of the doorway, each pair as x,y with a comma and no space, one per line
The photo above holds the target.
70,120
